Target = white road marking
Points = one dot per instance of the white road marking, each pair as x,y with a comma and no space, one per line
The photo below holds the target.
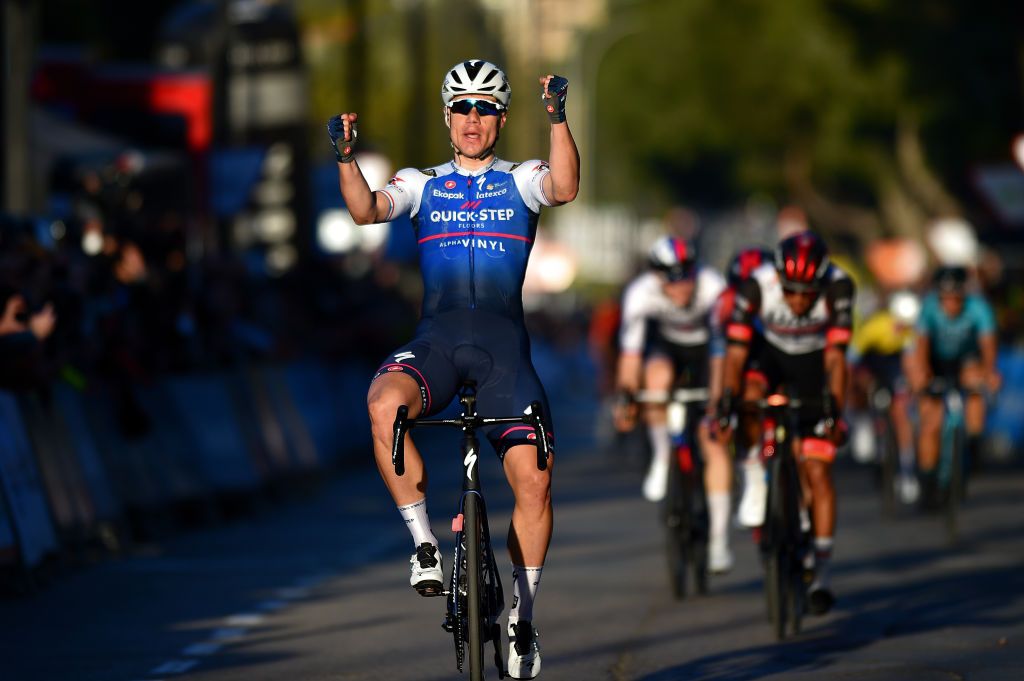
244,619
292,593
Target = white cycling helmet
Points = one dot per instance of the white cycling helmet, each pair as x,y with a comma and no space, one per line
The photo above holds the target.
905,307
476,77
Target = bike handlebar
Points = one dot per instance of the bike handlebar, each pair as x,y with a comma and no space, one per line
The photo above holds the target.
468,422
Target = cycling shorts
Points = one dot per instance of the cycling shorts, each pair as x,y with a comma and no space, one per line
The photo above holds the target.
689,362
887,370
490,349
801,376
949,369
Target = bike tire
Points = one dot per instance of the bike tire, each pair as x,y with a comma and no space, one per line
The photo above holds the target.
794,542
889,460
676,524
775,563
474,572
955,484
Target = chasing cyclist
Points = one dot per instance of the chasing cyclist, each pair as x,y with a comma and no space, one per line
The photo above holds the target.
803,304
475,218
878,356
956,341
664,342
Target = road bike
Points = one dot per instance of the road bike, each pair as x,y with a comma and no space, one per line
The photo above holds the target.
474,593
784,543
952,466
684,512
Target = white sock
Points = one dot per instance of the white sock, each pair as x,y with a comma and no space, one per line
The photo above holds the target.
718,516
822,559
525,581
661,444
754,453
415,517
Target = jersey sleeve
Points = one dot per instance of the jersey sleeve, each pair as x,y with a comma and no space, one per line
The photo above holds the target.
746,306
633,331
403,192
717,320
984,317
839,297
529,177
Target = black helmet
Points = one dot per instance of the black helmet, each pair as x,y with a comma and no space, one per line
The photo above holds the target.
950,279
677,258
745,262
802,261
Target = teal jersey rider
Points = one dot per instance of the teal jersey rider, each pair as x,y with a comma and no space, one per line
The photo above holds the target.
957,337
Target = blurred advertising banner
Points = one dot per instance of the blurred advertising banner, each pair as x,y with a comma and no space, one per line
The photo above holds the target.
23,487
896,263
1002,188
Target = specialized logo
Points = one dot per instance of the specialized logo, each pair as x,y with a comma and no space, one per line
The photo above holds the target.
448,195
402,356
470,463
450,184
480,181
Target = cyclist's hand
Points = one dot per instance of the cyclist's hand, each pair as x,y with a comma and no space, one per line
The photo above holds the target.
625,412
42,323
725,414
553,97
342,131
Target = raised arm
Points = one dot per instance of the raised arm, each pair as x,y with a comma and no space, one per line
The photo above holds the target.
563,182
365,206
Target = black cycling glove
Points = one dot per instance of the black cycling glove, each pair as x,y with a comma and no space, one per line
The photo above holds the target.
554,101
336,131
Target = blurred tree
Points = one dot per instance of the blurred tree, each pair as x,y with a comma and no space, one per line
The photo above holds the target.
867,113
386,59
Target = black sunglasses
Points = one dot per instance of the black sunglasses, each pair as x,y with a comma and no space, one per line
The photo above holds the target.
482,106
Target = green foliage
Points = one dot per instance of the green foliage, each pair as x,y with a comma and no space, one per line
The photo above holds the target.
711,99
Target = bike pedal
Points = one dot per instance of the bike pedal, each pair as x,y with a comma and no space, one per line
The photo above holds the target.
429,589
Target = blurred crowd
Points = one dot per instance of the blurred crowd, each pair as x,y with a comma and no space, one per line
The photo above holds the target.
116,290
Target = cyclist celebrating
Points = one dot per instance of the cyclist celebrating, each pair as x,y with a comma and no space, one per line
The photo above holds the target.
956,341
877,356
804,304
664,340
475,218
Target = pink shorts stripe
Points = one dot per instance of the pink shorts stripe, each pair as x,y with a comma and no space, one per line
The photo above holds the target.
387,367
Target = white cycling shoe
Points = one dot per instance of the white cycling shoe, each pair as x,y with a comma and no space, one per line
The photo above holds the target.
755,495
427,574
523,650
907,488
719,558
656,482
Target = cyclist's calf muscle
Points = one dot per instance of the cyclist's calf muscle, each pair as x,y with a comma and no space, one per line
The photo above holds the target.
387,393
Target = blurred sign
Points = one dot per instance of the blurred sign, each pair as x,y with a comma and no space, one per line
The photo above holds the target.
1002,188
896,263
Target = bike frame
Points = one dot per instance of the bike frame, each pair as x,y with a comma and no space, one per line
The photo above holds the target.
684,512
475,595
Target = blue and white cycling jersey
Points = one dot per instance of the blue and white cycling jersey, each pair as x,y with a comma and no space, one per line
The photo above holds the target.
953,339
475,231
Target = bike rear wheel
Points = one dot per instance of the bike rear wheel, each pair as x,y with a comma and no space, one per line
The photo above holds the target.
889,461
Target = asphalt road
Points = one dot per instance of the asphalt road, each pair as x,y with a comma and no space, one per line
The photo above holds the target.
317,589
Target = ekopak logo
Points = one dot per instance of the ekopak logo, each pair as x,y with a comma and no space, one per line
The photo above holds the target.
450,184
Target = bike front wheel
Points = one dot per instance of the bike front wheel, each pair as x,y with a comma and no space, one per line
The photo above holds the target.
474,587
